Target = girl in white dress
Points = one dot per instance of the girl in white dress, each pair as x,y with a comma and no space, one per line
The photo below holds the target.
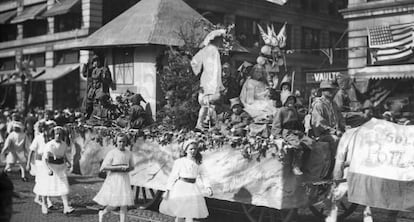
183,198
15,148
116,190
39,168
56,184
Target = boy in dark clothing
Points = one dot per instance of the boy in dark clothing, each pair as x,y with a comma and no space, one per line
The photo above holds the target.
288,126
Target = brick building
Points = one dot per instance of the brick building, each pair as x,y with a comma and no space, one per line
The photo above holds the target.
46,32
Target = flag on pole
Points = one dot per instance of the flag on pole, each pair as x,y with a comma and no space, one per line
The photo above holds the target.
279,2
329,53
281,37
390,44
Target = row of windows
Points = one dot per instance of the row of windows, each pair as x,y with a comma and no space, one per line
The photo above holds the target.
60,58
31,28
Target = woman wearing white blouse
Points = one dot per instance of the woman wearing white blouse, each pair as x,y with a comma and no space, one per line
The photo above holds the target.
183,198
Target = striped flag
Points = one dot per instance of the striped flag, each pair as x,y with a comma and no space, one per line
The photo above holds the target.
390,44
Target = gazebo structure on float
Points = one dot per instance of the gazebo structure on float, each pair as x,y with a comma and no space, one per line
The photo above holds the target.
131,43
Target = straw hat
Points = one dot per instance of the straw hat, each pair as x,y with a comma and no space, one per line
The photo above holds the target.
285,95
187,143
17,124
327,85
235,101
212,35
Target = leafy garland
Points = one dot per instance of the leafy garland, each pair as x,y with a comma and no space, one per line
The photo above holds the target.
251,147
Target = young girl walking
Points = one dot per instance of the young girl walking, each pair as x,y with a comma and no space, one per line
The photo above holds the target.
39,168
183,198
15,148
116,190
56,183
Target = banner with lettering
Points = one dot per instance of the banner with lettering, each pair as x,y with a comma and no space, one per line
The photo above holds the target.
381,172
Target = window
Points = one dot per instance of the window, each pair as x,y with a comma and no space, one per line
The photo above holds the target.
333,39
7,63
247,32
66,57
35,28
68,22
123,66
111,9
311,39
38,59
8,32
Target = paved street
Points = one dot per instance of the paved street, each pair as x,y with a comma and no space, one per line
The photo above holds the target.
84,188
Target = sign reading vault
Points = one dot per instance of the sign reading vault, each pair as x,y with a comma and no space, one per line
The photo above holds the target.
319,76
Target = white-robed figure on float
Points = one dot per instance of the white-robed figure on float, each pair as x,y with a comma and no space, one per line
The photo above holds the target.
255,93
183,197
207,62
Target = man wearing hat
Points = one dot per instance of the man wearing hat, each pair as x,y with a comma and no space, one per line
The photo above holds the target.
99,81
207,62
239,119
326,120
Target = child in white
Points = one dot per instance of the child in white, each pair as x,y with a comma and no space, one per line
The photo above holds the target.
116,190
15,148
40,170
183,198
56,184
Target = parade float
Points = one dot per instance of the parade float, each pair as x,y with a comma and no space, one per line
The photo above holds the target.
251,173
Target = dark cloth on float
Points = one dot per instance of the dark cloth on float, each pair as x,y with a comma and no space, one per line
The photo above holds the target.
137,116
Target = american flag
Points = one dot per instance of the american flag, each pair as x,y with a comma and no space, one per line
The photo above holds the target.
392,43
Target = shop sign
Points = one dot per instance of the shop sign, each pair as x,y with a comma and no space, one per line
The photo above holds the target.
317,77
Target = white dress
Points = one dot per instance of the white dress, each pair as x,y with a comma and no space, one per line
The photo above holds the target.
116,190
15,146
56,184
39,168
185,199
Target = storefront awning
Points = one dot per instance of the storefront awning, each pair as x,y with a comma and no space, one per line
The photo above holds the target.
29,13
6,80
386,72
56,72
5,17
63,7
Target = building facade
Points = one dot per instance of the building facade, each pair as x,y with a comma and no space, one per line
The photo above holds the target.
47,31
374,25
